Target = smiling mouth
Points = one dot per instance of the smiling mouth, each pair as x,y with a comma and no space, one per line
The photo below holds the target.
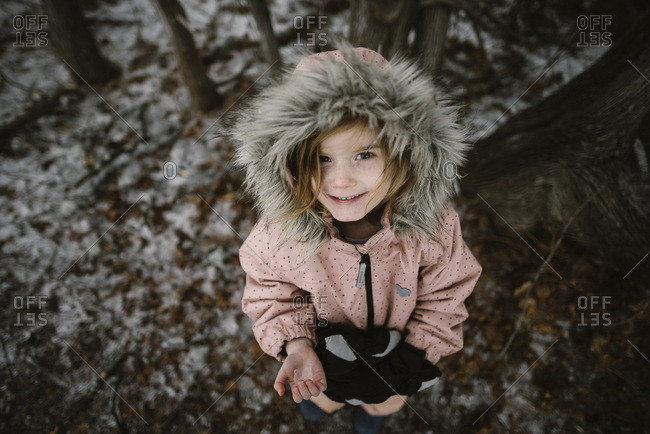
347,197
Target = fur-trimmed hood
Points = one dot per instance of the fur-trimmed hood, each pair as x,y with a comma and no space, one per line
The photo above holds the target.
415,114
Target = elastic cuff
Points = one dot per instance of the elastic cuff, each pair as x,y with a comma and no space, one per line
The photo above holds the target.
277,349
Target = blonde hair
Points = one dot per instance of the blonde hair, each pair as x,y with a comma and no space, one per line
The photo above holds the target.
304,165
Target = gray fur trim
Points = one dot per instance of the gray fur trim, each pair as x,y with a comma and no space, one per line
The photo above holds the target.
416,116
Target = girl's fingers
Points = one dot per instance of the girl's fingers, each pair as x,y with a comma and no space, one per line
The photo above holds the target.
295,392
313,389
278,385
304,390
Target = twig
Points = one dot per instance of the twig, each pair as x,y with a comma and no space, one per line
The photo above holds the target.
39,279
236,75
142,117
105,165
481,45
115,409
20,85
38,109
105,21
4,350
630,319
80,404
538,274
47,373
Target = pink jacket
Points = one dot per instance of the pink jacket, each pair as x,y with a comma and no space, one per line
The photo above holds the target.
417,288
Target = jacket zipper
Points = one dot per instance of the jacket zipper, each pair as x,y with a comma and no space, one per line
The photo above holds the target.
364,274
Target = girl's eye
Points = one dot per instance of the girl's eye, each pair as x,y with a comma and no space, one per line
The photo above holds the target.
363,155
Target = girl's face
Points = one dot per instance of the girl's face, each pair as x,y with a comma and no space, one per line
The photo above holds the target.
351,173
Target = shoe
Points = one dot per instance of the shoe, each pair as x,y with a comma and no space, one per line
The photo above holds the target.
310,411
365,423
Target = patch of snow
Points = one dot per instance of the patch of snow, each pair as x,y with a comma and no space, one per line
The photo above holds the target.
196,358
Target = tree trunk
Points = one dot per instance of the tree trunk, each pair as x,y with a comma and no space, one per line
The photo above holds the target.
75,44
431,36
577,146
202,89
267,38
382,25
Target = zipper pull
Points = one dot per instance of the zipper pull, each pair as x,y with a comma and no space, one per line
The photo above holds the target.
364,263
362,273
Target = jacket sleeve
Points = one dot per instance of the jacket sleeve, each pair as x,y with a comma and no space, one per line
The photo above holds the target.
280,310
443,285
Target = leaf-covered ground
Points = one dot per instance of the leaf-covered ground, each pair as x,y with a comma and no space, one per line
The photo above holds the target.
121,222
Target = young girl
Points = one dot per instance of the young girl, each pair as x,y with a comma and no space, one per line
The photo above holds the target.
357,272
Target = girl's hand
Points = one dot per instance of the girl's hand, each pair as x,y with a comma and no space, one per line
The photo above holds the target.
303,370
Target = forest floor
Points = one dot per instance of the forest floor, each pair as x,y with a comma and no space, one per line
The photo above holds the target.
122,219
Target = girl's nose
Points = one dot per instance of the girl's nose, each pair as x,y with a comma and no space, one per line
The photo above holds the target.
341,176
